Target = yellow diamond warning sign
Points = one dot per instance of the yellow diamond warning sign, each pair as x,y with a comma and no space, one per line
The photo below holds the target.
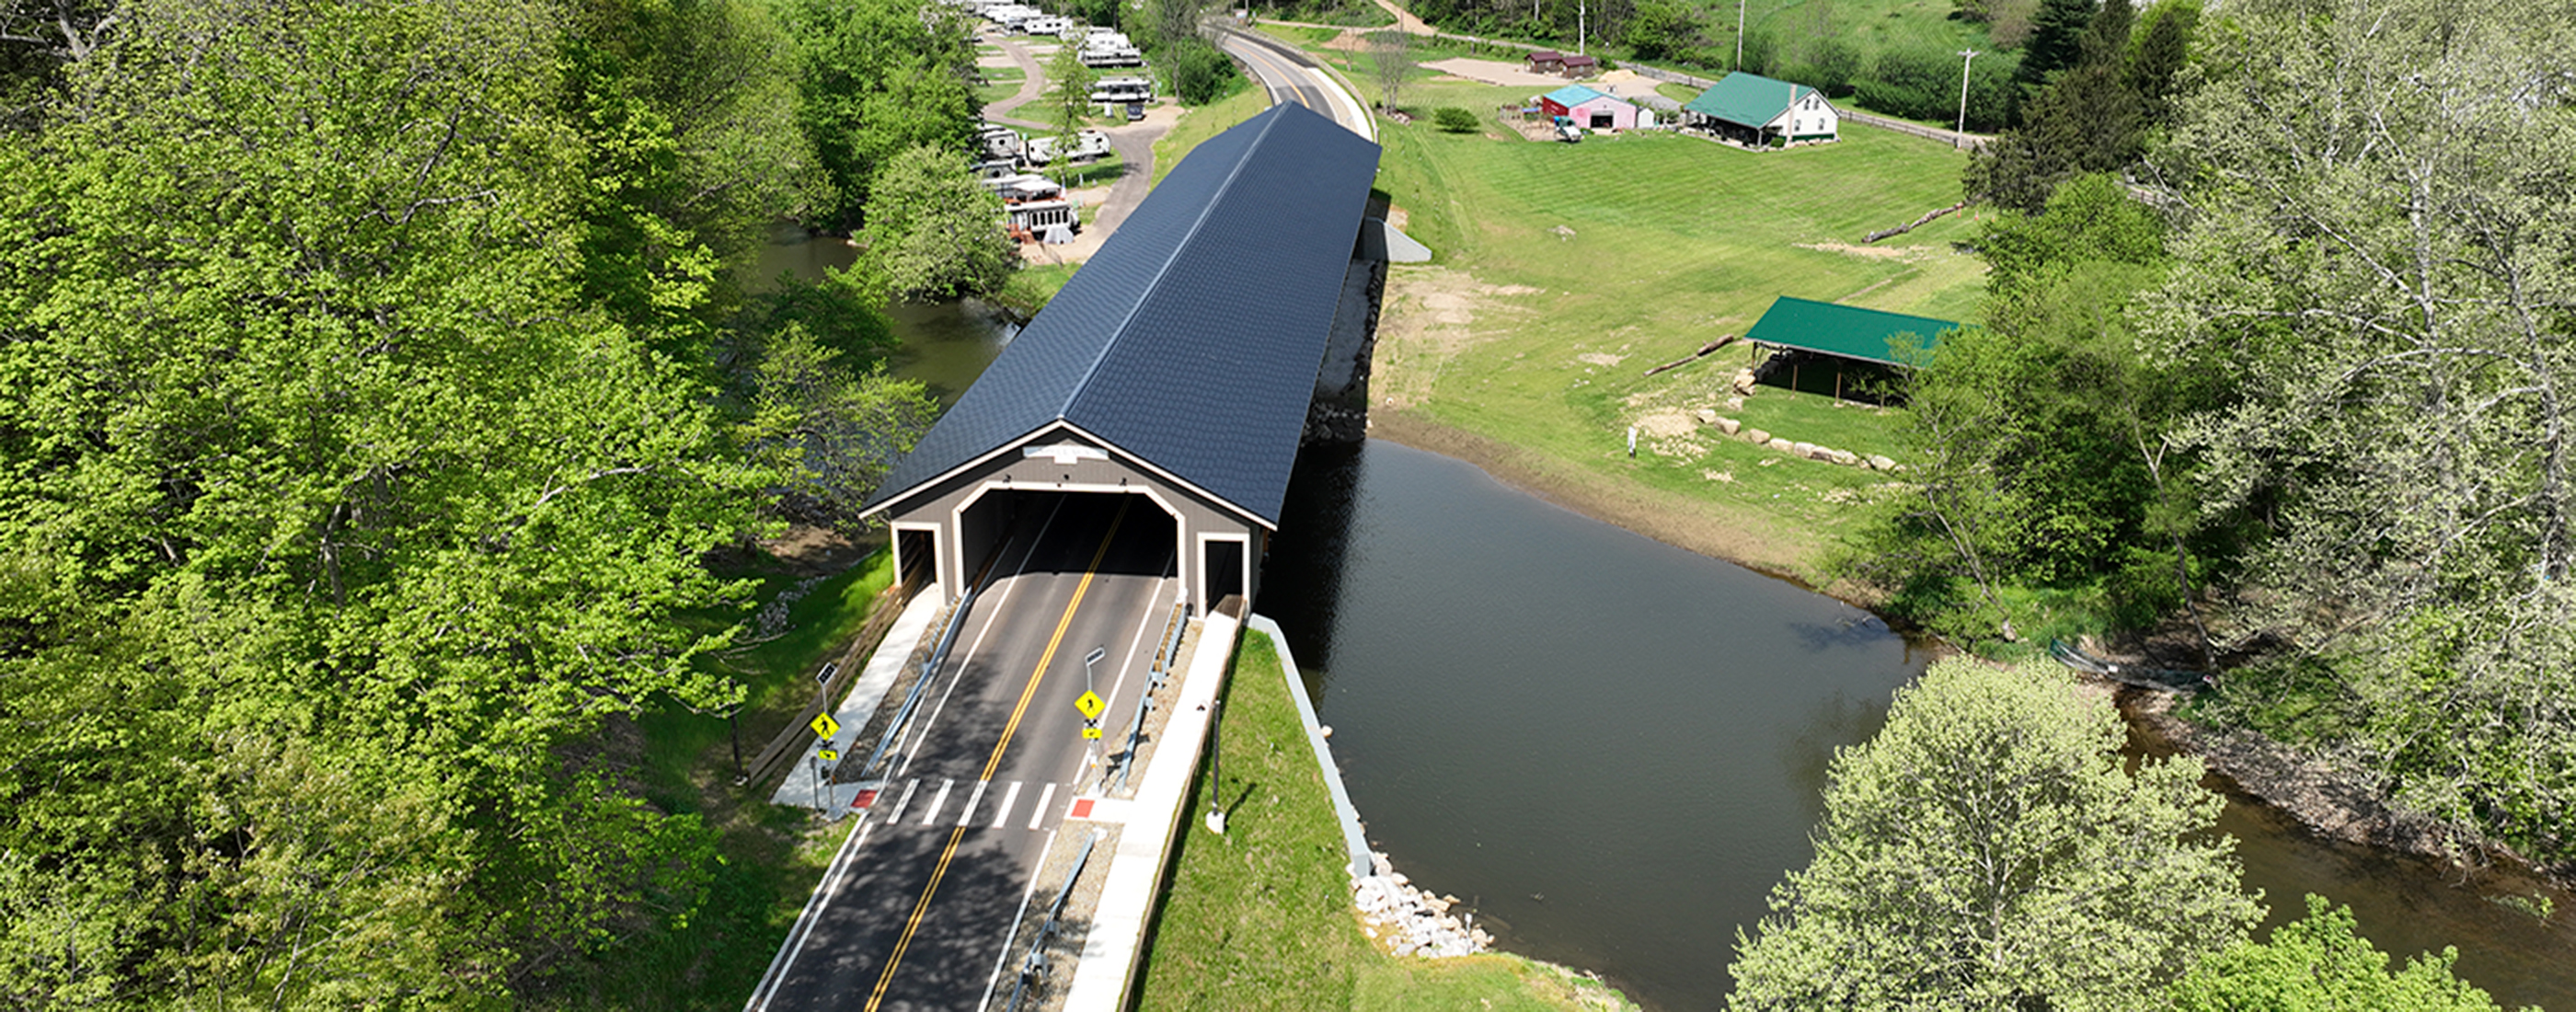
1090,705
824,726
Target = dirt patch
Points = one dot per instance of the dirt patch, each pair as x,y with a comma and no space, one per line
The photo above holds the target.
1905,253
1626,84
1429,316
1600,359
807,550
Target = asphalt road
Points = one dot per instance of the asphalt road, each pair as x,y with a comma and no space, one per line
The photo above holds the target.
921,900
1287,80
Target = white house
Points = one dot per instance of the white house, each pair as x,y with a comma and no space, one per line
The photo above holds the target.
1758,111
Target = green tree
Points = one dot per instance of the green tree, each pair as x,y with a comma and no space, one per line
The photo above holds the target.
2381,271
934,232
876,78
1659,29
1068,95
1201,73
831,428
2056,41
2320,964
344,504
1988,849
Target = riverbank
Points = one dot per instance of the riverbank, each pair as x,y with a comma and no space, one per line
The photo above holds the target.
1262,916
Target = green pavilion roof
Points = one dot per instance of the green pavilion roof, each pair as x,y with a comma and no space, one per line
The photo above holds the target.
1748,99
1845,331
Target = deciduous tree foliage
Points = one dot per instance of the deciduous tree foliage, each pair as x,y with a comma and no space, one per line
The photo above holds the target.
878,77
934,232
2382,268
2320,964
1988,851
350,492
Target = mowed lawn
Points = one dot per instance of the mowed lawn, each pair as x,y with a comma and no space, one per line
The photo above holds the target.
1561,272
1581,265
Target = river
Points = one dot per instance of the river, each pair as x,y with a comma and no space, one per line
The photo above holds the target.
1612,748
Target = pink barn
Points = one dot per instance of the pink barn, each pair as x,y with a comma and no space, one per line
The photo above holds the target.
1590,109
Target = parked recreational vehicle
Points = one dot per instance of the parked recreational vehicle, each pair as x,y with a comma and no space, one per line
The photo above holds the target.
1110,49
1108,90
1052,221
998,141
1041,150
1046,24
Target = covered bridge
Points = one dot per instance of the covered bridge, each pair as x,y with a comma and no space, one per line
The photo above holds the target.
1176,367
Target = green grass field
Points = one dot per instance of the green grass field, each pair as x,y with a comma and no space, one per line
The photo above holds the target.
1261,917
999,83
1562,271
1580,265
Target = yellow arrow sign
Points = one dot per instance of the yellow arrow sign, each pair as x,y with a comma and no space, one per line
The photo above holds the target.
827,755
1090,705
824,726
1090,732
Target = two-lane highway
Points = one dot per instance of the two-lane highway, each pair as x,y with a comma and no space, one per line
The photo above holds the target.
1290,81
920,903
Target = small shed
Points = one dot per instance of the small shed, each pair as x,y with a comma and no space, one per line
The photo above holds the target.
1585,107
1582,66
1756,110
1547,61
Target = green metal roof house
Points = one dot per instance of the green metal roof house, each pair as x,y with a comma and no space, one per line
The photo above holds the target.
1851,332
1756,110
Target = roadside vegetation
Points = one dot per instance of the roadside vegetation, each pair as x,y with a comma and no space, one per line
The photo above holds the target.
387,429
1989,848
1261,917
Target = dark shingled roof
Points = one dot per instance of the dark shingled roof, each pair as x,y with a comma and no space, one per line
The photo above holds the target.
1191,340
1869,335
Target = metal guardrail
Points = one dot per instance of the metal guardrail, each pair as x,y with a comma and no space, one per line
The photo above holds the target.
912,700
1164,655
1034,964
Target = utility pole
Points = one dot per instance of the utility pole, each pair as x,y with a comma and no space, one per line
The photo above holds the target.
1739,34
1578,27
1966,57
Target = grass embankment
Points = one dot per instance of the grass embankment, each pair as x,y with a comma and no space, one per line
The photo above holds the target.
1562,271
1261,917
768,859
1203,122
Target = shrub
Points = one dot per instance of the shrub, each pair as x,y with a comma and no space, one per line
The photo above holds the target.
1455,120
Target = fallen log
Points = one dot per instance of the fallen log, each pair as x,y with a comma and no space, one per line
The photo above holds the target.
1703,352
1918,223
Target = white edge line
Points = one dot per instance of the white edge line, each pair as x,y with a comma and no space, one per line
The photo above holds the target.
805,920
1005,959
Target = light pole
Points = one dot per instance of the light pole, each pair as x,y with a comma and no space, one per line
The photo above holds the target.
1216,773
1966,57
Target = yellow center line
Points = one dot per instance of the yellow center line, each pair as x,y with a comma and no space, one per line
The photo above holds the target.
958,835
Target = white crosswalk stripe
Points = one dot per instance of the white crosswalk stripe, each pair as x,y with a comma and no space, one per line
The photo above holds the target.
1002,812
937,802
966,816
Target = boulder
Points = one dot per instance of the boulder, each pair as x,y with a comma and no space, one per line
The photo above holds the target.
1728,425
1755,436
1801,449
1705,416
1846,458
1879,463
